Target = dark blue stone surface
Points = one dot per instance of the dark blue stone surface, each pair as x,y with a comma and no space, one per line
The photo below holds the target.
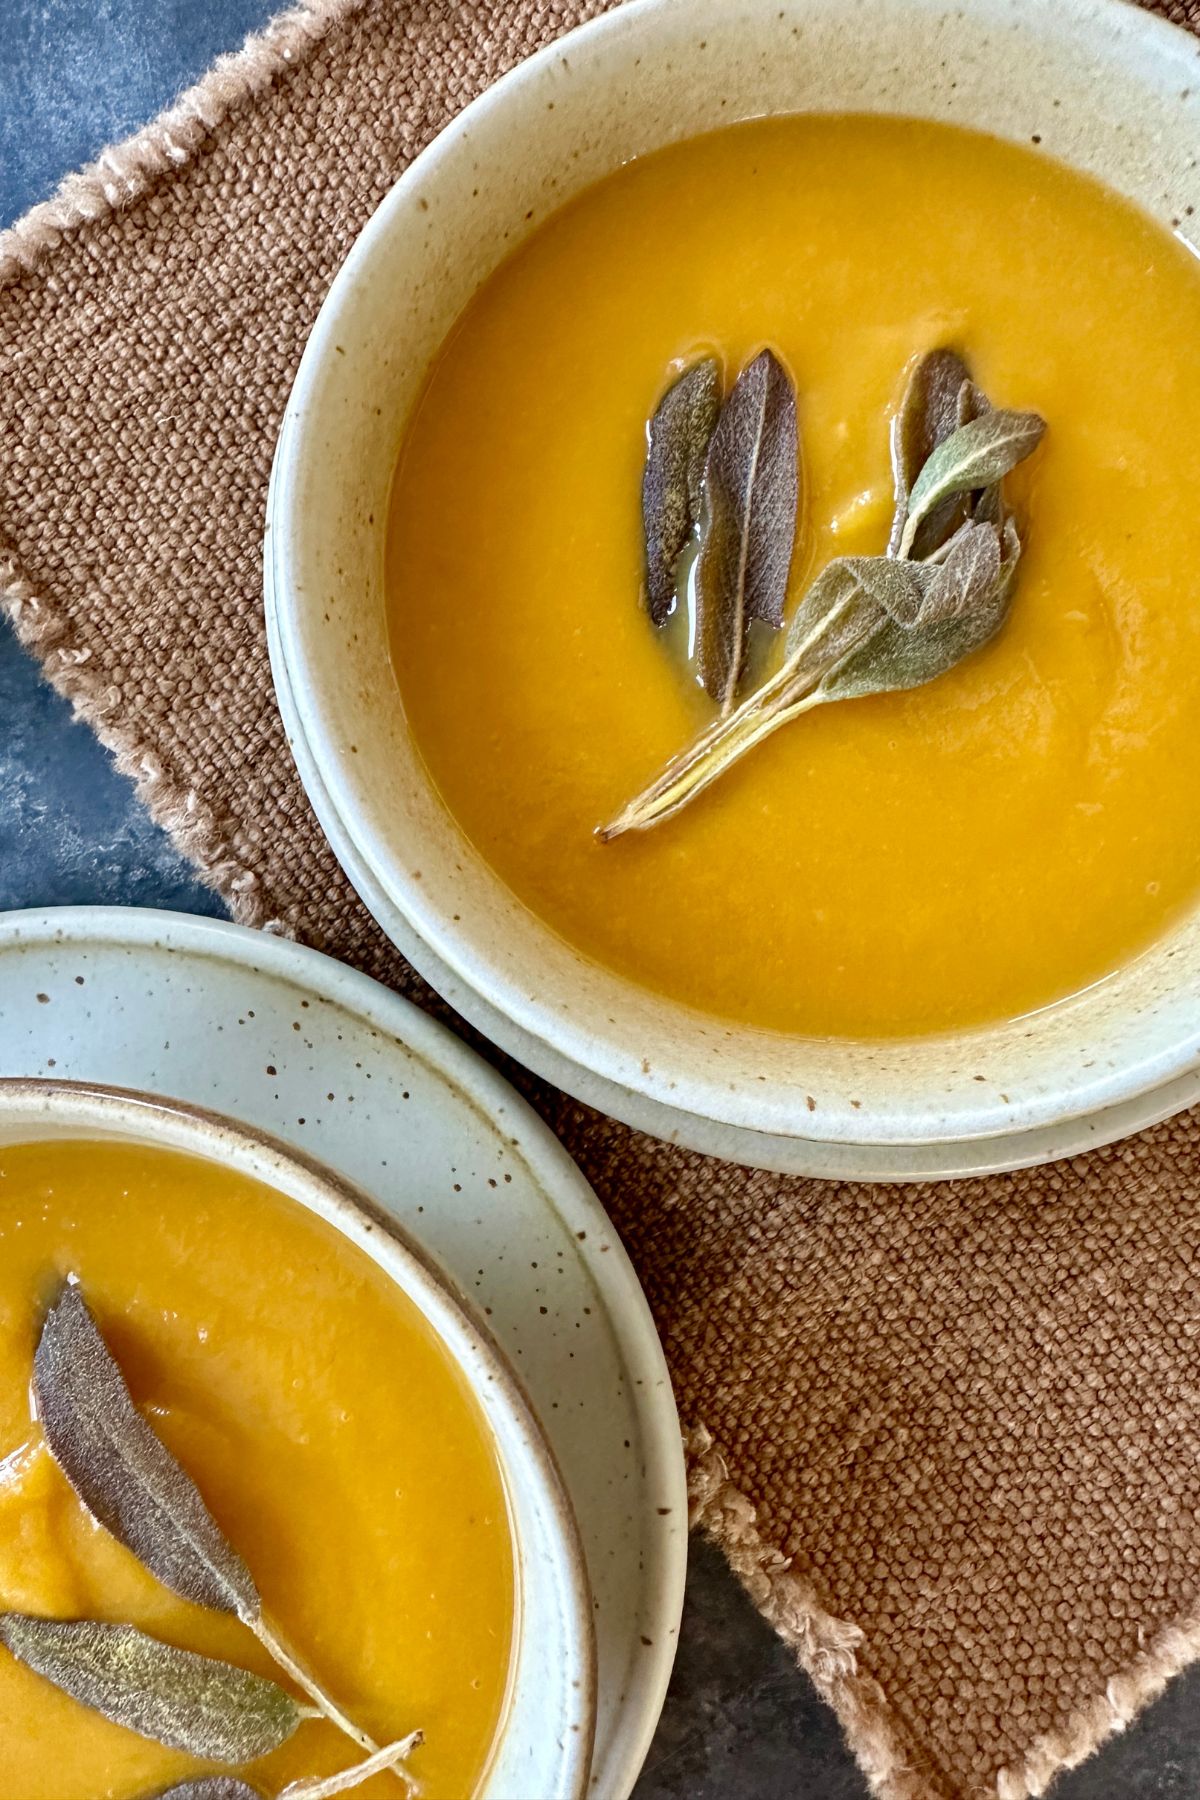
741,1723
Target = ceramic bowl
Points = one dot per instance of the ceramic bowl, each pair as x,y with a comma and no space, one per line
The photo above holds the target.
545,1740
1101,85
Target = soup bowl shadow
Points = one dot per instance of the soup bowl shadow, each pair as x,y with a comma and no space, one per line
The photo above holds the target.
544,1741
1103,87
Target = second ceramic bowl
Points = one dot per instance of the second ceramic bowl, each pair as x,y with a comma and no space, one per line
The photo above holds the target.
545,1738
1104,87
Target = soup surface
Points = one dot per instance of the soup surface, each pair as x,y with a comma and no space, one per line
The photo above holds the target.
964,852
333,1438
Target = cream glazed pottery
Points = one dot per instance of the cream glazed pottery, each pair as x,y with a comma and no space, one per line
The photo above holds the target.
545,1738
265,1031
1102,86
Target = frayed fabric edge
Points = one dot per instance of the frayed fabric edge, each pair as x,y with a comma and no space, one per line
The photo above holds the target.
825,1647
1125,1695
190,821
124,172
119,176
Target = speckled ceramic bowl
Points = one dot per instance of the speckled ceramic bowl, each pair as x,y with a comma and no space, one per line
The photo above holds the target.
544,1747
1102,86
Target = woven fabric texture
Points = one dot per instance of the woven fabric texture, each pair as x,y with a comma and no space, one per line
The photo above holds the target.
949,1436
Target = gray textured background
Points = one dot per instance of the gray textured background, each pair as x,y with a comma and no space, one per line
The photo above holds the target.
741,1722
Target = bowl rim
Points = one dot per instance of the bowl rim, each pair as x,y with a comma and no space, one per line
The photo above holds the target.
948,1159
344,1204
471,976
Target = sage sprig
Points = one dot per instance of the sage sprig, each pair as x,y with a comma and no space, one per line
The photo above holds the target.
873,625
975,456
193,1703
132,1485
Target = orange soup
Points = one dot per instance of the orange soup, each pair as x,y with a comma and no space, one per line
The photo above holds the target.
914,862
332,1437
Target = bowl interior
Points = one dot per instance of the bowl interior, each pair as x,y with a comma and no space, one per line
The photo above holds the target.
545,1737
1102,86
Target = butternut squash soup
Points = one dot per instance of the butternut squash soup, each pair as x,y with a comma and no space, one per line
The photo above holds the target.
332,1438
965,850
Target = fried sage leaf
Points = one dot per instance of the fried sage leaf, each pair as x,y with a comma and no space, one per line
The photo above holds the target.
210,1787
964,606
899,588
751,497
679,435
187,1702
939,526
962,582
929,413
130,1483
978,454
123,1473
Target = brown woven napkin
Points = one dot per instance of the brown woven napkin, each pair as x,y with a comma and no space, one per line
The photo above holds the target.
948,1436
